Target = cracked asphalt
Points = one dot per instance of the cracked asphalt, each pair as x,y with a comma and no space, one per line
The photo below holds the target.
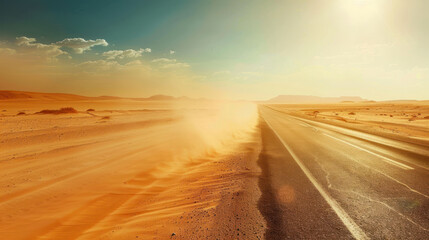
325,182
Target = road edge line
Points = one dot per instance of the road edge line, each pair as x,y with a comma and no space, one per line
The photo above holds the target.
386,159
353,228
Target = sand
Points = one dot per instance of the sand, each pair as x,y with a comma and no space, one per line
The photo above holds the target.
129,170
114,168
407,120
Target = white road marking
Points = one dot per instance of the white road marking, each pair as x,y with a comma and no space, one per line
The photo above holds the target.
391,178
364,196
343,130
304,121
386,159
354,229
308,125
382,173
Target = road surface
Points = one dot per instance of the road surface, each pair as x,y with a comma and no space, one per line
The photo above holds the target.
325,182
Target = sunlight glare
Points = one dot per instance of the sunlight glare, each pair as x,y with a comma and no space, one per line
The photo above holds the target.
361,11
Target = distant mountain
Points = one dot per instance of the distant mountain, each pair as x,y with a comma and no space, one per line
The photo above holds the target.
10,95
108,97
6,95
160,97
300,99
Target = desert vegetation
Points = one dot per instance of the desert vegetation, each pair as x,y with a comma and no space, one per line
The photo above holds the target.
59,111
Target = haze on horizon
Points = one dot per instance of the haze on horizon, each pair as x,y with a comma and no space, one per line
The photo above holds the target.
255,50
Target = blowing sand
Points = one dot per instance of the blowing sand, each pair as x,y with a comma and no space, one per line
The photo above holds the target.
129,169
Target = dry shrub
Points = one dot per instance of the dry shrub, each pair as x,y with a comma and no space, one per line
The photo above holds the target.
427,117
352,113
21,113
60,111
315,113
90,110
341,119
106,117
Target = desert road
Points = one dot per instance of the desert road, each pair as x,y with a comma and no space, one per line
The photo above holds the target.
327,182
183,170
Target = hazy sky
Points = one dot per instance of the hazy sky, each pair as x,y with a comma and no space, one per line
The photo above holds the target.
241,49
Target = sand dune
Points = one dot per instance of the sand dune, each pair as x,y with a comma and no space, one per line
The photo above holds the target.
151,170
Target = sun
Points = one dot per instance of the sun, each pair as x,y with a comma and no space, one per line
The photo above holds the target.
361,11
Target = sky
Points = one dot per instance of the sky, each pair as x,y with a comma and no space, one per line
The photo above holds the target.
243,49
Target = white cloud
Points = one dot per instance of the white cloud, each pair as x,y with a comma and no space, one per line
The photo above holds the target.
98,66
134,63
176,65
172,52
29,45
170,63
79,45
7,51
24,41
164,60
129,53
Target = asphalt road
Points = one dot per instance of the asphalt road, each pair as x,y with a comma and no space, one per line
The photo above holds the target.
326,182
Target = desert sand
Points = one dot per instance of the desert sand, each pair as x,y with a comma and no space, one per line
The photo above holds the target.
128,169
406,120
76,167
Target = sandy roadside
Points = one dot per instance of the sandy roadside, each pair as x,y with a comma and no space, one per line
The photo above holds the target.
406,121
128,171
